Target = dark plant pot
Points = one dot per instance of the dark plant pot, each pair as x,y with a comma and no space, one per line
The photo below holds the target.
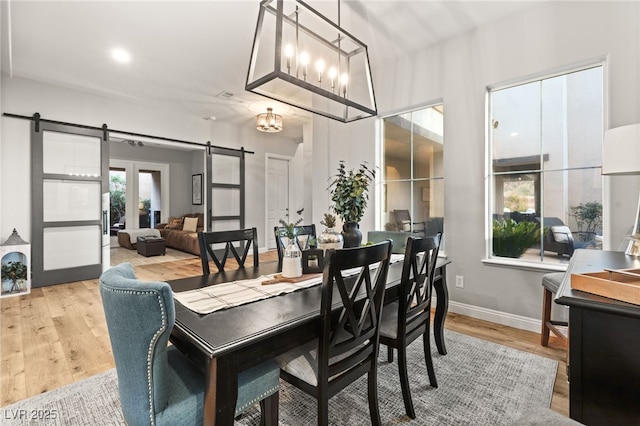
351,234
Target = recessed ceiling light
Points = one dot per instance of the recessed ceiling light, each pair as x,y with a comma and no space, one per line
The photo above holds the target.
121,55
514,134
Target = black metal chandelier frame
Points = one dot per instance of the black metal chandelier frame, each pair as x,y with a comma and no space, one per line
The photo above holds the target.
333,45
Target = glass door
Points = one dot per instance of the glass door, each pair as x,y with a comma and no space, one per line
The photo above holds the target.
117,201
226,189
70,225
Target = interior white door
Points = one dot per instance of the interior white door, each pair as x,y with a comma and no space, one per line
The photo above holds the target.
277,195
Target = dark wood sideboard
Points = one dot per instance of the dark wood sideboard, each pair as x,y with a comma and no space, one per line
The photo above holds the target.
604,346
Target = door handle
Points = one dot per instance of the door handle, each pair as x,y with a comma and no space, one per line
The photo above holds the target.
105,222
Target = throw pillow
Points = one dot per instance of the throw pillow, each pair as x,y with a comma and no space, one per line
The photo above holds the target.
174,223
560,234
190,224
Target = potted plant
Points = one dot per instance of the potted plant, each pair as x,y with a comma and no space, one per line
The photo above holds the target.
290,228
512,239
14,272
350,193
292,257
329,238
588,217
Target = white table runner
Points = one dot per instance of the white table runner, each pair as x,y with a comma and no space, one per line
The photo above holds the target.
227,295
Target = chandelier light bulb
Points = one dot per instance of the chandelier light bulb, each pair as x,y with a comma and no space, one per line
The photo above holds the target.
304,61
332,75
320,68
270,120
344,79
288,52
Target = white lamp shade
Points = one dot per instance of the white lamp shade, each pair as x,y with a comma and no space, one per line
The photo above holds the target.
621,151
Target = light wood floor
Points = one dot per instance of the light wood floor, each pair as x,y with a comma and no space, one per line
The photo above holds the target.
58,335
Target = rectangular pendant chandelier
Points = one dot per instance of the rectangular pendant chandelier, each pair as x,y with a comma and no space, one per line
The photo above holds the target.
301,58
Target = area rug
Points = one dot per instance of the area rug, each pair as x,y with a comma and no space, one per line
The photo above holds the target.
121,254
479,383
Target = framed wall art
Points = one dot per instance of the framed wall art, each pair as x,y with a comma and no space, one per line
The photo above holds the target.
196,189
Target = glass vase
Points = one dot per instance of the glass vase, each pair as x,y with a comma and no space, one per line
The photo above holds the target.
330,239
292,260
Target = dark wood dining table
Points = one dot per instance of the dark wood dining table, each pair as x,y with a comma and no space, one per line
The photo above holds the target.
228,341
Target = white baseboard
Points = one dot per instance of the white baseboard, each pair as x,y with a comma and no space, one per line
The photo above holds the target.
504,318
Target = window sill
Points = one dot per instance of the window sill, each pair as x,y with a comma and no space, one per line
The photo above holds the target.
527,266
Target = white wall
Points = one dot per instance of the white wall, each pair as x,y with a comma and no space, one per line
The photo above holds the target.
332,142
180,171
545,38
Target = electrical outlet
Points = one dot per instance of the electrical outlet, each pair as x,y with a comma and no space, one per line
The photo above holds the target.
459,281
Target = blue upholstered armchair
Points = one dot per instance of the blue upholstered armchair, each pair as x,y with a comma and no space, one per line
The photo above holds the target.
158,385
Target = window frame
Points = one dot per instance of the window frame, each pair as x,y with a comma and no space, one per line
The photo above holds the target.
490,196
380,162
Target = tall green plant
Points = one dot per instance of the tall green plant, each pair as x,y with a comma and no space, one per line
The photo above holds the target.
349,191
588,216
512,239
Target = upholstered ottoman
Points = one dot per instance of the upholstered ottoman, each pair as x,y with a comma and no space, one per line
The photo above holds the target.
151,246
128,238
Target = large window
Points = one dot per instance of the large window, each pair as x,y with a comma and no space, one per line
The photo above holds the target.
413,191
545,157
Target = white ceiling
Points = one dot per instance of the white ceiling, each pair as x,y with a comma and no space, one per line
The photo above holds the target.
186,53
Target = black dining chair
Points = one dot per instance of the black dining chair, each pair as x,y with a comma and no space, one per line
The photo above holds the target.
246,238
408,318
280,233
347,345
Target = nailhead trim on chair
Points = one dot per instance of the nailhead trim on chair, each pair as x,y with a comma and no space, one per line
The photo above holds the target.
152,417
152,345
257,399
